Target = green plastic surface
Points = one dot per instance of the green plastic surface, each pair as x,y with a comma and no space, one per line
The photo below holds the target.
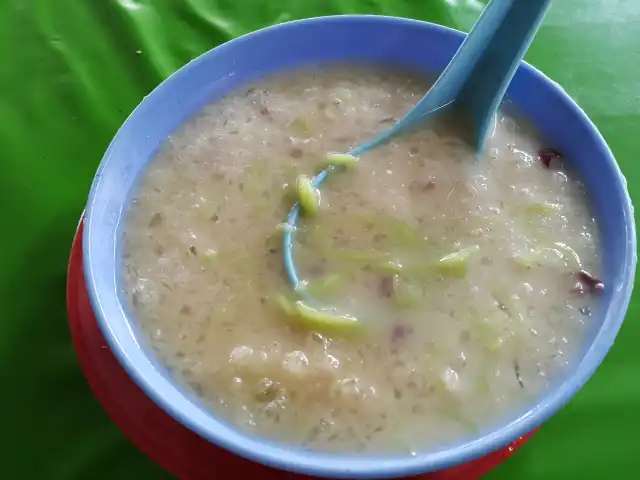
71,72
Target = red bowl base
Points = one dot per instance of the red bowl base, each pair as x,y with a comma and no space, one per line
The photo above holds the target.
164,440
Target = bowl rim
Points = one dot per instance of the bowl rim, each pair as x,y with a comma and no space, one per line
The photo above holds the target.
285,457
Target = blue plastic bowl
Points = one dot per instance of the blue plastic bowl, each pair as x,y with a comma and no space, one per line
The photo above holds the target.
372,39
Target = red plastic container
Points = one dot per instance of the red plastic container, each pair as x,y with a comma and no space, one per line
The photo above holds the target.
164,440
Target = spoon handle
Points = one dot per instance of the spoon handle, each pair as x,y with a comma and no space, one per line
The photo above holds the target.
485,84
482,68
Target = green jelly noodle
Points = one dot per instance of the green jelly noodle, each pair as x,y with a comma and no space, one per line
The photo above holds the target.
308,195
319,319
341,160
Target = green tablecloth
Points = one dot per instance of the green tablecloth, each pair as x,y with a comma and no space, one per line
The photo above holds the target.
73,70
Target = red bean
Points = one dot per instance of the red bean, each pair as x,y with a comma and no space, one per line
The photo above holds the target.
593,283
296,153
386,286
422,186
399,332
548,155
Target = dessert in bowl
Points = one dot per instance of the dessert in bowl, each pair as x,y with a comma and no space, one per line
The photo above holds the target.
480,294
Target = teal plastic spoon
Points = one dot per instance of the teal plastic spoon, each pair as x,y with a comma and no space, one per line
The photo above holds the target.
475,82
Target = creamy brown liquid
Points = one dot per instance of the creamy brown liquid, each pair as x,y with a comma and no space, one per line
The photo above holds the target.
444,354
